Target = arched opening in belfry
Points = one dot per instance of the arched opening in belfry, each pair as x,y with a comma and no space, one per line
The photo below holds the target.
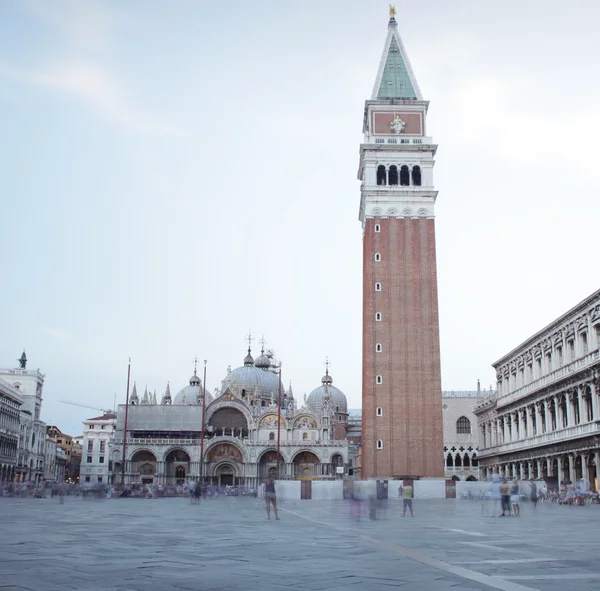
393,175
381,175
416,176
404,176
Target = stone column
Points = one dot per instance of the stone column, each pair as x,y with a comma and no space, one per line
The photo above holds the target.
570,421
539,469
529,422
547,417
559,474
595,405
584,469
521,471
571,468
549,467
538,418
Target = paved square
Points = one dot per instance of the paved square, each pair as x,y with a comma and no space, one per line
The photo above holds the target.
227,544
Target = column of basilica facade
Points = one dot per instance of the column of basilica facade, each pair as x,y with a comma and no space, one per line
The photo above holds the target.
544,421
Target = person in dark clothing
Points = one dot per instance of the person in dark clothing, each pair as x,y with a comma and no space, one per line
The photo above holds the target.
270,497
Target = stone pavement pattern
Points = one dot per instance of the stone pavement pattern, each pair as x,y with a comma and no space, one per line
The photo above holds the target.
227,544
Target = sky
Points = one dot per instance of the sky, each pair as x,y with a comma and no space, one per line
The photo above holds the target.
177,174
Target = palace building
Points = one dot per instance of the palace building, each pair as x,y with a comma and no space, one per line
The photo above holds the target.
232,437
544,421
401,389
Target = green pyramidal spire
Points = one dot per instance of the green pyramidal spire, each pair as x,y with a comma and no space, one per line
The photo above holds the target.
395,78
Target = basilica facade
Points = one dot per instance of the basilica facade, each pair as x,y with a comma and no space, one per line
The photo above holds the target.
231,437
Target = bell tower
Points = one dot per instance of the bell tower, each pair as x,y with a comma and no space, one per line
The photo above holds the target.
401,387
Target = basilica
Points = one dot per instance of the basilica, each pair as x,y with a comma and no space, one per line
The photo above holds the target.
233,436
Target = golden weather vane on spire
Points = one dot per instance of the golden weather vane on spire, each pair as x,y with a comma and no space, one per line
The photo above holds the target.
392,11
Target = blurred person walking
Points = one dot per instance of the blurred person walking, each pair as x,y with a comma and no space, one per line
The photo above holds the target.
407,494
270,497
533,493
514,498
505,497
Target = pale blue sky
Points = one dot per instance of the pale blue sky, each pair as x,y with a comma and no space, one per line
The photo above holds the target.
175,173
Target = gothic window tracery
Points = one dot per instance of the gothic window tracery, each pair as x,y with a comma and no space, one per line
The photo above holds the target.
463,425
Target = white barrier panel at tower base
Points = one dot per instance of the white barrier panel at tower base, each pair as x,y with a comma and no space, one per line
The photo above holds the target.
327,490
430,488
286,490
464,487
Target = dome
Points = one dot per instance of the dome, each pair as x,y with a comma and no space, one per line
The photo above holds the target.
254,379
262,361
338,398
190,394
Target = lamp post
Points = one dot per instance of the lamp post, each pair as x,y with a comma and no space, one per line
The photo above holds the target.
279,424
203,386
125,425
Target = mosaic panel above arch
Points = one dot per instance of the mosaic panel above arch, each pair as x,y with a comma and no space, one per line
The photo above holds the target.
270,421
305,422
224,451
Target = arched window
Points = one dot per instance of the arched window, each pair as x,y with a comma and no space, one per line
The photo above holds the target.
379,347
378,287
393,175
377,228
463,425
271,436
378,316
474,461
458,461
304,436
379,380
404,176
379,412
466,461
379,444
449,461
381,174
416,176
377,257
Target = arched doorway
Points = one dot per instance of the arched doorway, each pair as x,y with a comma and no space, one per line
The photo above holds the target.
337,463
267,465
306,465
230,422
225,462
143,466
177,467
225,475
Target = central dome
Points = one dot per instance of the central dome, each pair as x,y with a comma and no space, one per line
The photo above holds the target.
254,381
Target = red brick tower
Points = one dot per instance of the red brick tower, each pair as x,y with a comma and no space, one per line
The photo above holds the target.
402,399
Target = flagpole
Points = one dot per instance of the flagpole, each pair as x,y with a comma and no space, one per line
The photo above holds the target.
202,435
125,426
279,423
